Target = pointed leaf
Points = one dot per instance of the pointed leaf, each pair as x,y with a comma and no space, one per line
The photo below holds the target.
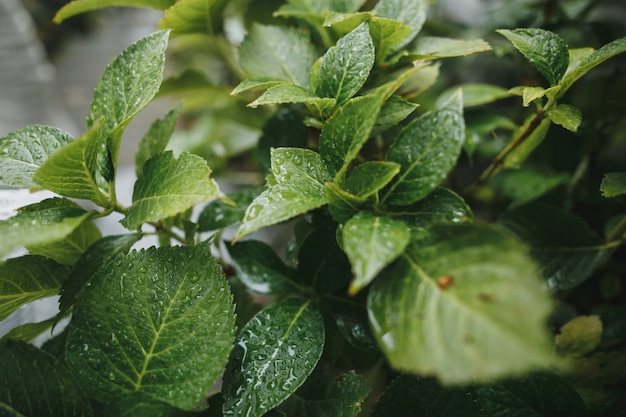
544,49
525,185
394,111
291,93
410,12
475,94
40,223
432,47
284,129
386,34
372,242
67,250
259,268
219,214
159,321
295,186
157,137
22,152
567,116
613,184
28,278
168,186
278,53
517,157
346,66
260,83
440,206
464,304
26,388
194,16
28,331
81,6
342,204
427,149
579,336
273,355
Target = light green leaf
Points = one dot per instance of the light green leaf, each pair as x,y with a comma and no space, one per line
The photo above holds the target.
371,243
342,204
368,178
567,116
545,50
386,34
433,47
255,83
219,214
81,6
539,129
394,111
579,336
590,61
28,331
292,93
158,321
259,268
155,140
40,223
464,304
347,131
33,383
409,12
475,94
194,16
168,186
22,152
440,206
67,250
273,355
427,149
294,186
28,278
126,87
277,53
613,184
345,67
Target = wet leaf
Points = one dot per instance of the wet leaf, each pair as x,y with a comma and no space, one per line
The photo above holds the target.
432,47
28,331
409,12
291,93
219,214
194,17
567,116
155,140
440,206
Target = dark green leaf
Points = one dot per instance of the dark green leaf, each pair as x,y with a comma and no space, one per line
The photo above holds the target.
371,243
137,404
81,6
155,140
567,116
342,204
432,47
392,113
22,152
544,49
427,149
168,186
351,319
273,355
219,214
194,17
259,268
475,94
563,245
67,250
28,278
525,185
409,12
294,186
284,129
28,331
464,303
346,66
440,206
613,184
32,383
159,321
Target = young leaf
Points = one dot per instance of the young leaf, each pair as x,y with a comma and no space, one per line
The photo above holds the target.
464,303
409,12
563,245
22,152
427,149
579,336
371,243
295,186
475,94
567,116
218,214
40,224
347,131
277,53
28,278
155,140
186,17
432,47
386,34
28,331
81,6
521,152
159,321
273,355
168,186
259,268
613,184
346,66
26,388
126,87
292,93
342,204
546,50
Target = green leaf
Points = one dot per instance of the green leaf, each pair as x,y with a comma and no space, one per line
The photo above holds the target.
563,245
219,214
340,396
386,34
567,116
28,331
440,206
67,250
158,321
33,383
345,67
342,204
260,83
347,131
294,186
137,404
259,268
126,87
284,129
475,94
28,278
292,93
427,149
464,304
525,185
590,61
273,355
433,47
613,184
22,152
351,319
40,223
155,140
538,129
277,53
81,6
579,336
168,186
409,12
545,50
194,16
371,243
394,111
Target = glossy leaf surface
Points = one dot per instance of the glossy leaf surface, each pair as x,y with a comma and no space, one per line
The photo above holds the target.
155,140
567,116
219,214
440,206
